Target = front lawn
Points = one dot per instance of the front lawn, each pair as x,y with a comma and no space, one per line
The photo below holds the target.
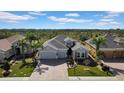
18,69
81,70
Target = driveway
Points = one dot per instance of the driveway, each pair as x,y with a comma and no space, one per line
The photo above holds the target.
117,64
50,70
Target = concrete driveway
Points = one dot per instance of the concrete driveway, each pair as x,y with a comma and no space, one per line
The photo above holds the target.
117,64
50,70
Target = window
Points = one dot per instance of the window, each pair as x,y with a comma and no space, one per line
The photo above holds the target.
77,54
82,55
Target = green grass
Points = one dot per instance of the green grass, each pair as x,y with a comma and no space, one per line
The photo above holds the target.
87,71
21,70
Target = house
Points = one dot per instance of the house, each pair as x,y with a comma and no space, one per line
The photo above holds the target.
113,47
8,45
56,48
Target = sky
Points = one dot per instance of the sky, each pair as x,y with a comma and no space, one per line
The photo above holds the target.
61,19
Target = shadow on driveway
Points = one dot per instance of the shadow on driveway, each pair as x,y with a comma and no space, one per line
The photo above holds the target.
52,62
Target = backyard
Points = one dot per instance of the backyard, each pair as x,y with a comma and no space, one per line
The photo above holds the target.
81,70
19,69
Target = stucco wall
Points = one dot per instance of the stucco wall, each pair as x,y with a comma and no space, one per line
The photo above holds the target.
5,54
1,55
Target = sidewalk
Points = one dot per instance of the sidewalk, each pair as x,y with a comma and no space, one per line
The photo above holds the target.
94,78
14,79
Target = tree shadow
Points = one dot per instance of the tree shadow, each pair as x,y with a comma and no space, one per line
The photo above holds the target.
41,70
53,62
118,71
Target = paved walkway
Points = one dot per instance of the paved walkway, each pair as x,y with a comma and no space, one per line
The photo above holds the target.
50,70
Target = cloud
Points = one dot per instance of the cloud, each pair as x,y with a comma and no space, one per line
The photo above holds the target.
68,20
109,19
105,22
113,14
73,14
13,18
37,13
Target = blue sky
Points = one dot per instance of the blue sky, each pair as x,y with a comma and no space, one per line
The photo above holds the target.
62,19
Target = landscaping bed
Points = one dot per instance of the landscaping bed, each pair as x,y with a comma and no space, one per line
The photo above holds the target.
19,69
81,70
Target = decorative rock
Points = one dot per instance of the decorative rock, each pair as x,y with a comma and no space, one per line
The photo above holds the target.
87,69
10,70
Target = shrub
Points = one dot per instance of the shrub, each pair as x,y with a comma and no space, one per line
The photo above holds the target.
6,68
105,68
86,62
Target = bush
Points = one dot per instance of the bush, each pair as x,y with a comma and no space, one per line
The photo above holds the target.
101,64
6,68
86,62
6,73
105,68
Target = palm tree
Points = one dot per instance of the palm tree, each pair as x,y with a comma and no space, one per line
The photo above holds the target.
98,41
69,52
30,36
22,44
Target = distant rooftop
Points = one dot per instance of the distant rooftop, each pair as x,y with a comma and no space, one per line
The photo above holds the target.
110,42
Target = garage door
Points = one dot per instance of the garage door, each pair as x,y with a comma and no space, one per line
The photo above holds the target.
48,55
62,54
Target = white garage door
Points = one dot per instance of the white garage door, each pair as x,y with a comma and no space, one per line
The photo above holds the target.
62,54
48,55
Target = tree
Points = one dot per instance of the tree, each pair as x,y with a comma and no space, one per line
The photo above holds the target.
69,52
84,37
30,36
22,44
98,41
6,67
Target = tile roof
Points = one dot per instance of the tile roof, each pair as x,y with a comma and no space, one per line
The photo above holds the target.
14,38
110,43
6,44
58,42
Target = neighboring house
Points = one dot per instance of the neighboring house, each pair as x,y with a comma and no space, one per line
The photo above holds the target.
56,48
8,45
113,47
